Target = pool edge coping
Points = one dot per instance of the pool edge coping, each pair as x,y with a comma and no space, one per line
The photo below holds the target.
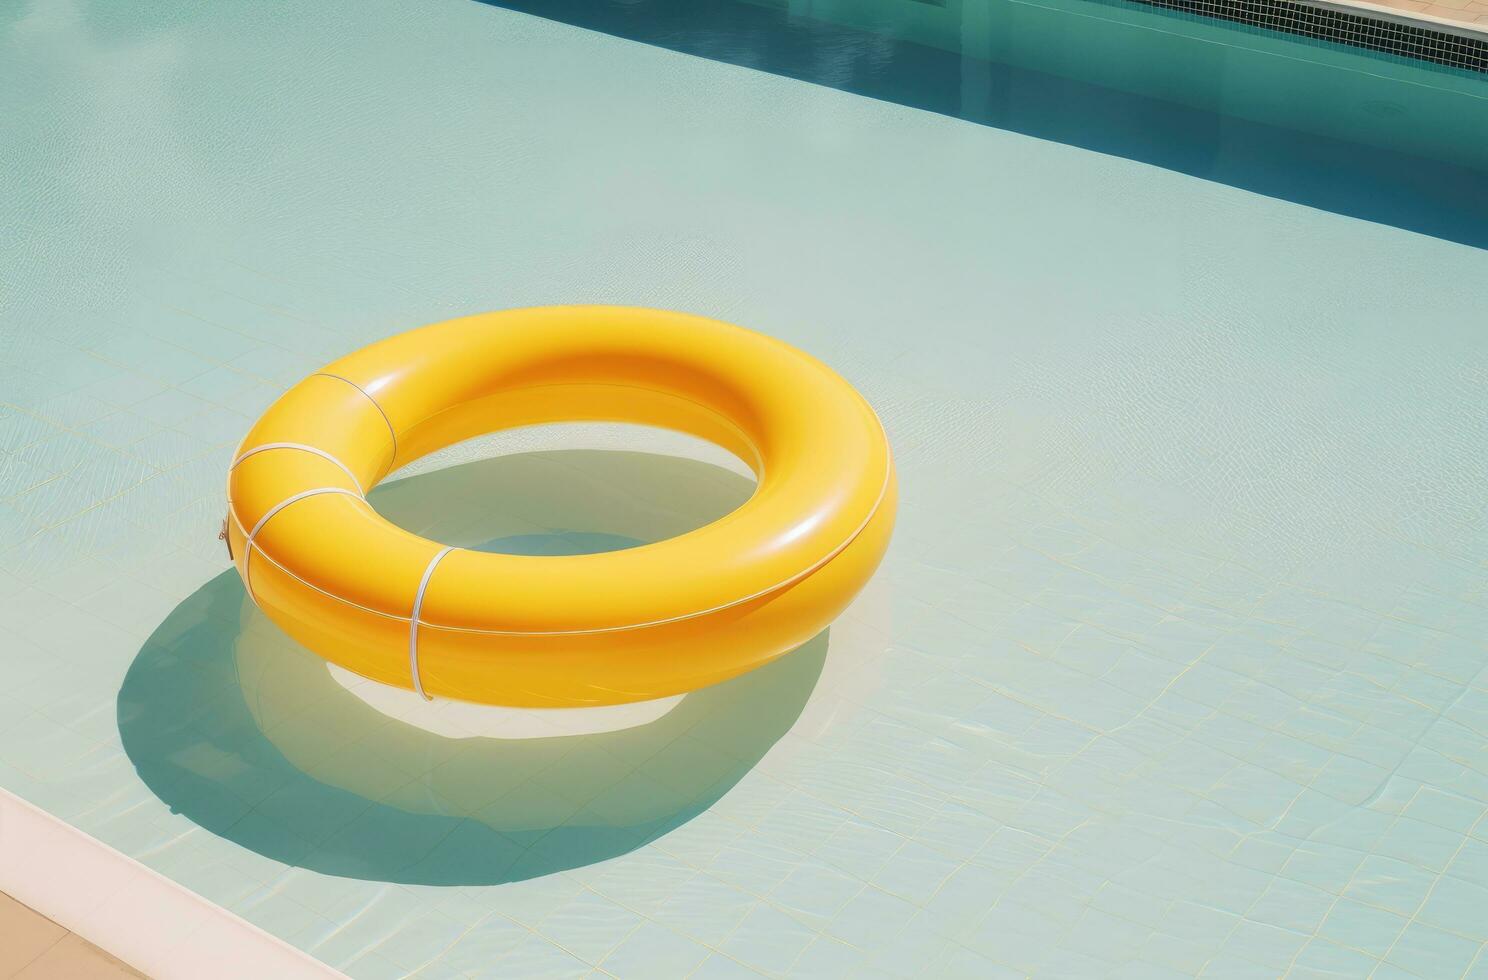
1357,24
155,925
1406,17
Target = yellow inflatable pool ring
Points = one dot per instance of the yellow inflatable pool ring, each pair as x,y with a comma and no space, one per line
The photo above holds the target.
534,631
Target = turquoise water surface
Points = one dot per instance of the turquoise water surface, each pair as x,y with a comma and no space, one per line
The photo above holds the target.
1347,129
1175,666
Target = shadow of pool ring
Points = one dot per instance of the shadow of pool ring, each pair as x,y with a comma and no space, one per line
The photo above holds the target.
246,733
632,625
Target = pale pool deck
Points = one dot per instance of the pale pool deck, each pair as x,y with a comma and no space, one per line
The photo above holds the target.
33,947
1468,14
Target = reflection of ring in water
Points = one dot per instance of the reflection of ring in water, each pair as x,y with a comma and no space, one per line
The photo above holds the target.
248,735
463,719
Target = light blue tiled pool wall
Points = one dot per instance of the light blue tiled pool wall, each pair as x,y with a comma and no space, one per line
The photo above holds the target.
1175,667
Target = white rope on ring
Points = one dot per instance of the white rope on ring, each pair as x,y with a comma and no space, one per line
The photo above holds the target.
248,541
391,431
303,448
413,621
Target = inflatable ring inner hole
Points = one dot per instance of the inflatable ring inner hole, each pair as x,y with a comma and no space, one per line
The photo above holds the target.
552,509
553,489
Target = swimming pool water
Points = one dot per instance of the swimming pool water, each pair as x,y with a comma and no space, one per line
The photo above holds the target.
1350,130
1175,666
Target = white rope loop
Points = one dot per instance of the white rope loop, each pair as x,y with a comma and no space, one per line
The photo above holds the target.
391,431
248,541
413,622
306,449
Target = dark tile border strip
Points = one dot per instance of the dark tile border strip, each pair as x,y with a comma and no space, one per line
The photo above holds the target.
1420,40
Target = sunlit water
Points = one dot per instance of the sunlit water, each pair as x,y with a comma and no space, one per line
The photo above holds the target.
1175,666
